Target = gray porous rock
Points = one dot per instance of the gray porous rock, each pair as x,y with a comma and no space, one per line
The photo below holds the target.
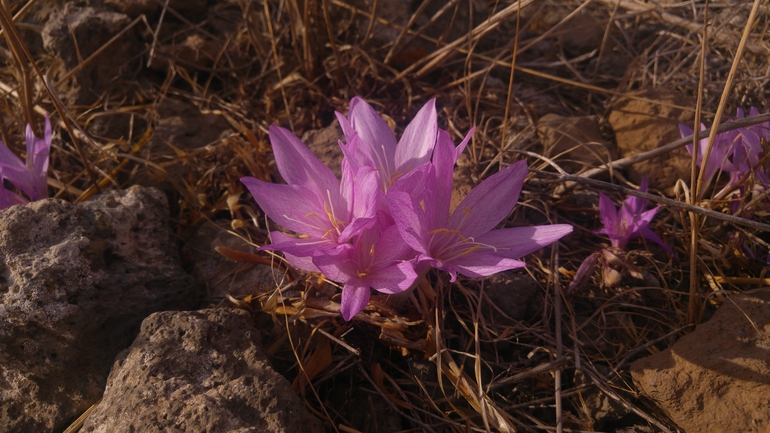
198,371
76,281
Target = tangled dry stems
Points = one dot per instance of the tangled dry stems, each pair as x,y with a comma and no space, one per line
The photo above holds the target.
447,357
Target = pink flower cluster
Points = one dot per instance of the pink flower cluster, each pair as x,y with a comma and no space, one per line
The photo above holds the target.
737,152
388,220
30,177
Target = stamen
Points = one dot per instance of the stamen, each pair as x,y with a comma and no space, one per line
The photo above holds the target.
467,211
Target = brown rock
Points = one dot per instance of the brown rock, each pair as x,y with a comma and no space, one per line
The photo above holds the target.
575,143
511,295
641,126
91,28
76,281
198,371
182,125
716,379
220,275
324,143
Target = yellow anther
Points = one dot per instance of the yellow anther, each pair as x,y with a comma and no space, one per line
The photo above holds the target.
422,204
371,251
446,231
304,236
311,214
467,211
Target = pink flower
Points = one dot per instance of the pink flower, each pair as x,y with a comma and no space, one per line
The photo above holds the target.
314,204
31,177
376,146
632,221
466,243
377,259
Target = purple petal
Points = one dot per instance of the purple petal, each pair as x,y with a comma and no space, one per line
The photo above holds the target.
294,207
377,146
482,264
517,242
337,263
393,279
305,263
490,202
443,161
391,247
636,204
416,145
608,214
410,219
298,165
648,234
355,296
584,272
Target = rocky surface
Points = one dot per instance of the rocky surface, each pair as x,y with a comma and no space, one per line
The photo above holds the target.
575,143
74,33
198,371
641,125
219,275
716,379
76,280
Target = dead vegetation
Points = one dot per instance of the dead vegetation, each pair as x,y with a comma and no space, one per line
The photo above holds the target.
188,104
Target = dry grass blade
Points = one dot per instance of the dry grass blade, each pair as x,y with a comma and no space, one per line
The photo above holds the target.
722,38
443,54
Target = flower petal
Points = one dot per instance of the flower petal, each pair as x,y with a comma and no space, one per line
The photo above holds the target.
293,207
608,214
517,242
490,202
377,145
482,264
298,165
393,279
416,144
355,296
410,219
305,262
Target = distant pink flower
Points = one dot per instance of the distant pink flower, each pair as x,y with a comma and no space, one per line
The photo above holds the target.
31,177
631,221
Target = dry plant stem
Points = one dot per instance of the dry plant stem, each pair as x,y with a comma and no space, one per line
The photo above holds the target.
21,61
507,64
694,301
277,61
78,423
558,25
325,6
510,81
726,93
721,37
441,54
394,47
154,34
654,198
557,330
742,280
594,376
639,157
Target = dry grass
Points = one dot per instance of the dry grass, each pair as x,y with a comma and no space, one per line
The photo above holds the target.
447,358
